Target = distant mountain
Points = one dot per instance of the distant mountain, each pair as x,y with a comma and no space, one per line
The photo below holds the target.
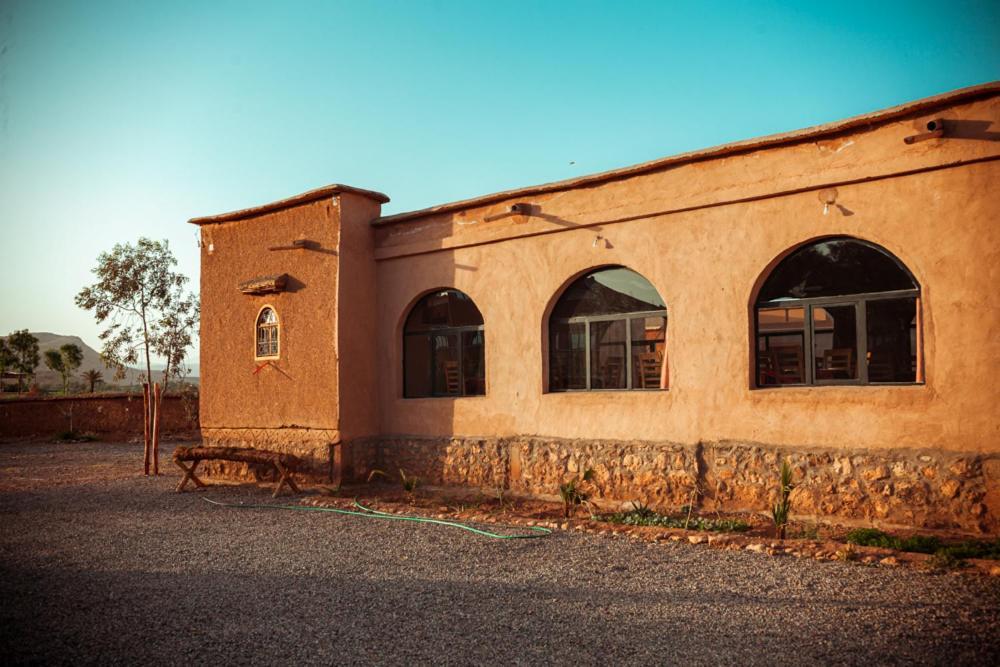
91,361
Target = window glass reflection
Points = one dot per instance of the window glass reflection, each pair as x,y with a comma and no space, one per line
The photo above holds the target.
892,340
835,346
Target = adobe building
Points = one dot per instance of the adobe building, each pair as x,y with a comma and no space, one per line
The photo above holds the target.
679,326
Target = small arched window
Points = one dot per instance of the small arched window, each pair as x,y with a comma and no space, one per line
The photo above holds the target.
608,331
838,311
267,334
444,347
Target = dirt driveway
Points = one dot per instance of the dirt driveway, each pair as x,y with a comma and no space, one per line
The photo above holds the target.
100,565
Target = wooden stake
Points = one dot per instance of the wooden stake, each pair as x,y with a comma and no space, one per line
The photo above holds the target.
157,396
145,428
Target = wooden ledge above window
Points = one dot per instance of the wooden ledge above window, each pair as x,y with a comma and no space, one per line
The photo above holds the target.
265,284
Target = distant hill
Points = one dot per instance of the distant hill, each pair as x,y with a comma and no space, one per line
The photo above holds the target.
91,361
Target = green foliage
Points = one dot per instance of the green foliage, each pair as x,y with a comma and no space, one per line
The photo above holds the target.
572,493
24,349
926,544
143,302
943,560
92,377
409,483
781,509
871,537
642,515
6,357
64,361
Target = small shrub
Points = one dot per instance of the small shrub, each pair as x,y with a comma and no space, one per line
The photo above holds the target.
781,509
920,544
571,493
409,483
641,515
871,537
73,436
942,560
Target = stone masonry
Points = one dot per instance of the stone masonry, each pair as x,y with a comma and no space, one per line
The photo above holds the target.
904,488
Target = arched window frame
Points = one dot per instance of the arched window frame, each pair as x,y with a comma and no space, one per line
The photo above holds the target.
588,321
444,331
274,334
860,303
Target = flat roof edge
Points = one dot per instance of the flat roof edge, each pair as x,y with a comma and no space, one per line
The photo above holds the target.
289,202
768,141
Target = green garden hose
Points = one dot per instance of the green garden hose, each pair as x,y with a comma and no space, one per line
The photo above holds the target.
537,531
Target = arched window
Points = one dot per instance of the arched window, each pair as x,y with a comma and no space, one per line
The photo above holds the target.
838,311
267,334
444,347
608,331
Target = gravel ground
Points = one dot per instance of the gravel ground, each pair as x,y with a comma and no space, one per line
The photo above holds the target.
100,566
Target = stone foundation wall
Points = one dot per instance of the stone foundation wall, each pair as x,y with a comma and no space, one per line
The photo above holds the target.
895,488
310,445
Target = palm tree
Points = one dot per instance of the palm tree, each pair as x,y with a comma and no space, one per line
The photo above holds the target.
92,377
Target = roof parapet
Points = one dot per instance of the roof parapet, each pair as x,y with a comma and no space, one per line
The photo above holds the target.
289,202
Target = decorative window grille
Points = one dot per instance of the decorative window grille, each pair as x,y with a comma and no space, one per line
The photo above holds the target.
267,333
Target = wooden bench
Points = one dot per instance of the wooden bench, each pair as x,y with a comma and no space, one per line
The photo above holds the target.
283,464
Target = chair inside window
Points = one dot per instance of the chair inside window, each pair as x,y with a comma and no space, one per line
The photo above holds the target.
838,363
786,361
611,373
648,370
452,382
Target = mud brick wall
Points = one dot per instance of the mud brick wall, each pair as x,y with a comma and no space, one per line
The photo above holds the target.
895,488
106,416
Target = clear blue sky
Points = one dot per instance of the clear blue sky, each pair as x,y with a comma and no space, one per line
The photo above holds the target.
122,119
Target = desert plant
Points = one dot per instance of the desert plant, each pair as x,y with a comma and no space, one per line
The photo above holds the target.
945,560
409,483
780,511
93,378
641,515
571,493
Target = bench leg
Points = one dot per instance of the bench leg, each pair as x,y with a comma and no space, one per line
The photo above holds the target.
285,478
189,475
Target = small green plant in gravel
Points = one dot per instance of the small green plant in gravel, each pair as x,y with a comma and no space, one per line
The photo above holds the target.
942,560
642,515
571,492
925,544
781,509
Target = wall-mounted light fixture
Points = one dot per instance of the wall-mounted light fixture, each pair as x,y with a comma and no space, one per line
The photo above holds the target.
933,128
829,197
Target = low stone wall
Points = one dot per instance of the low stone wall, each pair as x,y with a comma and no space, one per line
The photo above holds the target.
106,416
311,445
895,488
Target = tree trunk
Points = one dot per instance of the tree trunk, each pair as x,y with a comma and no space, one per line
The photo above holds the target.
156,429
146,409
